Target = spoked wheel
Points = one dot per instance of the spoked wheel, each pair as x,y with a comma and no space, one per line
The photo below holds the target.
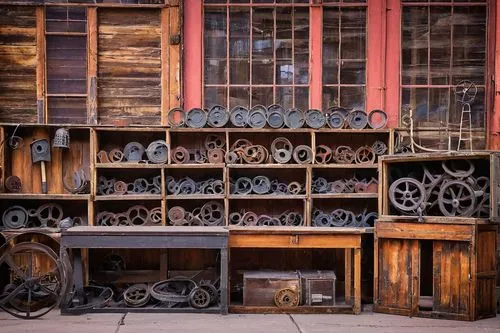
37,280
456,198
406,194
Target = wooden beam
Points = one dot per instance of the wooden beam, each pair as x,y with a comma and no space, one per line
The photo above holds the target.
175,41
165,64
40,66
315,58
193,54
92,65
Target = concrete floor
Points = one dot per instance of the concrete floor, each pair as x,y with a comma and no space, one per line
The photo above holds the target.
367,322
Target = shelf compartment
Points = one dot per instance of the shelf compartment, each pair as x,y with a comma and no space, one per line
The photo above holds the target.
345,196
40,196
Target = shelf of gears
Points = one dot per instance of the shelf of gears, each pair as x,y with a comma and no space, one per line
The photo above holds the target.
261,168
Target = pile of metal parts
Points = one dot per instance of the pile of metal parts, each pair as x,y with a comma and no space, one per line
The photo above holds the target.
248,218
134,152
112,186
343,218
134,216
175,292
210,214
453,189
32,290
186,186
348,155
275,116
49,215
352,185
263,185
213,151
282,151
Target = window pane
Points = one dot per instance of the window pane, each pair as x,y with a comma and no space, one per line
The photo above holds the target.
215,46
66,19
440,45
330,97
330,45
262,95
239,96
215,96
262,52
352,97
301,45
414,45
353,33
302,98
67,110
284,96
352,72
417,99
283,45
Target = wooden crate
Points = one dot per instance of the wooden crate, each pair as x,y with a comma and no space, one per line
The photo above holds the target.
318,287
435,270
259,287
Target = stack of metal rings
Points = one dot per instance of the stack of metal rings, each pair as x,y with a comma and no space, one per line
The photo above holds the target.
352,185
156,152
249,218
186,186
210,214
134,216
348,155
213,151
112,186
263,185
48,215
343,218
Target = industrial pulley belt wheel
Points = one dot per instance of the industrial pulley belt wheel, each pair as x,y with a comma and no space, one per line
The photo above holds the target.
211,289
249,218
257,116
31,291
15,217
40,153
91,297
343,218
174,290
281,150
239,116
187,185
379,147
214,141
294,118
365,155
49,214
157,152
315,118
458,168
133,151
180,155
137,295
218,116
343,155
357,119
13,184
336,117
323,154
243,185
286,297
199,298
116,155
135,215
407,194
81,183
303,154
457,198
176,117
261,185
215,155
377,119
196,118
275,116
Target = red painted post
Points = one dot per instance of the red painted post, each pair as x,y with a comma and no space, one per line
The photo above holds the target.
375,64
316,57
392,62
494,119
193,53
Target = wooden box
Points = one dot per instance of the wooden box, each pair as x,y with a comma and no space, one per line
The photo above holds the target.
259,287
318,287
435,270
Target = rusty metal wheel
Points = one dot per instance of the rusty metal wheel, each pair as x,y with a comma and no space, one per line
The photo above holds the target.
456,198
407,194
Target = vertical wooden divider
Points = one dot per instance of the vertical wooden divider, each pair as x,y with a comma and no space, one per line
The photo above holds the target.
390,144
174,68
41,107
163,264
2,159
92,65
36,176
357,280
415,274
226,176
164,173
308,210
165,64
93,175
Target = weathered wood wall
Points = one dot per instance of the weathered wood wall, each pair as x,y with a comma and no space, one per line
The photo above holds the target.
18,57
129,65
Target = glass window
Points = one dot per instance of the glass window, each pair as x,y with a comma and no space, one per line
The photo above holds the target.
443,45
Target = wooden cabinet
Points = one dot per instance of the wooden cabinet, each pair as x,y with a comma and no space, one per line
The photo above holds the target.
435,270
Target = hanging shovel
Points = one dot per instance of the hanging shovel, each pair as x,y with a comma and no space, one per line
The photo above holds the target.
40,152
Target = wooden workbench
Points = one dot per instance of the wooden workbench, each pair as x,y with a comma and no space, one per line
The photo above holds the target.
149,237
348,239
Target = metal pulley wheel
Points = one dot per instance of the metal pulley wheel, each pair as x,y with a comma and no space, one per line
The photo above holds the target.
215,155
235,218
136,295
157,152
231,157
322,220
407,194
357,119
133,151
199,298
458,168
323,154
13,184
214,141
196,118
155,215
281,149
457,198
218,116
379,147
275,116
212,213
257,116
15,217
377,119
294,118
180,155
365,155
176,213
315,118
303,154
335,120
116,155
176,117
243,185
286,297
49,214
261,185
138,215
294,188
239,116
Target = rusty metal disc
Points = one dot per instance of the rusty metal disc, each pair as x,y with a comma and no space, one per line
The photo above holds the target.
13,184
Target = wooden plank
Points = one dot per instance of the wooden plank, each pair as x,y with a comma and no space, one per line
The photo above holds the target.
414,270
357,281
175,61
165,64
348,275
92,54
290,241
40,65
424,231
437,254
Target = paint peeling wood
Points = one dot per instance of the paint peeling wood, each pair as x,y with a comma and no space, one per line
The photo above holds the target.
20,85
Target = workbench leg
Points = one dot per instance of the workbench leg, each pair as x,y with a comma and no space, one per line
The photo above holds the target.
348,275
77,269
357,281
223,281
